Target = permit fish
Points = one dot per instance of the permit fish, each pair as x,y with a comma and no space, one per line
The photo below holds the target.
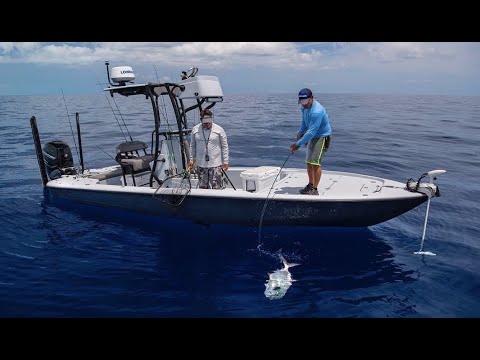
279,281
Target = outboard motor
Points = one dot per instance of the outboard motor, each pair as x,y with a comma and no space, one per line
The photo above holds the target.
58,159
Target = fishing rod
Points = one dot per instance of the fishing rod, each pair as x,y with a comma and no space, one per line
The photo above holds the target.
71,128
77,118
113,111
156,74
230,181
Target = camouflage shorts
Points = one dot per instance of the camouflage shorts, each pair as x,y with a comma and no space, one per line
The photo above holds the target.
210,177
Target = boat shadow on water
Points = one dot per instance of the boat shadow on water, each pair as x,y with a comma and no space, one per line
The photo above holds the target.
206,262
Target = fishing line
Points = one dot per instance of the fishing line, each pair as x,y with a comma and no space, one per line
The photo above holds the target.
162,109
110,156
266,202
113,111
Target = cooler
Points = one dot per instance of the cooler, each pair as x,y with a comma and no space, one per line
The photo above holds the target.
259,178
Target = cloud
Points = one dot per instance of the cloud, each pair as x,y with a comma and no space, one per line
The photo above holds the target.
213,54
263,65
45,53
228,55
400,51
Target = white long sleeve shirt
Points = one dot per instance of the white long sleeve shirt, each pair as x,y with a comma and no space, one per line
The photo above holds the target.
211,142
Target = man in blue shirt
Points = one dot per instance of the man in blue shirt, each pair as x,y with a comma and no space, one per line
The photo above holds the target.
314,131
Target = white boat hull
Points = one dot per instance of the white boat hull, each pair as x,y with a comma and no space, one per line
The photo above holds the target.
345,199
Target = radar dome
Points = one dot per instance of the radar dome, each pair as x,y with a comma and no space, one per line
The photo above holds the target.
122,74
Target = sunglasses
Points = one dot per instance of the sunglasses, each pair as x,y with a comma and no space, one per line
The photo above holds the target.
304,101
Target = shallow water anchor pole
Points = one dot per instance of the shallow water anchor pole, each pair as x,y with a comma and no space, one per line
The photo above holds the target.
421,252
38,150
431,190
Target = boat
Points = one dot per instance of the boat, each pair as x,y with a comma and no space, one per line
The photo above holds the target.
155,178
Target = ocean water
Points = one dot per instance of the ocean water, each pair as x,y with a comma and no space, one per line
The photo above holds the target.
78,261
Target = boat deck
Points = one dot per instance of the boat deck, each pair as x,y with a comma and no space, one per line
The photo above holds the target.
334,185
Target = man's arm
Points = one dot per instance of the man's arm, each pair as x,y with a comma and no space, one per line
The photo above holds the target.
303,128
312,129
224,146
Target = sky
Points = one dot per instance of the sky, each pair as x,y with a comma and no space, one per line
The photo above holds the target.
437,68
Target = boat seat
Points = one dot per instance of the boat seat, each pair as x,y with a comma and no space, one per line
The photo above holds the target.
129,158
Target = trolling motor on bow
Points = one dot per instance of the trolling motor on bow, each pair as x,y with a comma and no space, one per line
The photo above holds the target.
430,189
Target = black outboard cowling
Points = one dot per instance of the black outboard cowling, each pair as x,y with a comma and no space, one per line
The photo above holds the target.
58,159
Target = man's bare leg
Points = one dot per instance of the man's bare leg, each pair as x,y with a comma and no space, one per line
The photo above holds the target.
314,174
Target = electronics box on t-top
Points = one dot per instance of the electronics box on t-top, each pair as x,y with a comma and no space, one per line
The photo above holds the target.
259,178
202,86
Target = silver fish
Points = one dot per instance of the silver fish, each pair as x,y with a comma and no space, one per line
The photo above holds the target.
279,281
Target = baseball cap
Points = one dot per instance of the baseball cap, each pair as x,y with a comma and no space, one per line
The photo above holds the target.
304,94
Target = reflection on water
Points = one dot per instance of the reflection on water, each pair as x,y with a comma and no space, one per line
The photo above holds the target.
173,268
344,273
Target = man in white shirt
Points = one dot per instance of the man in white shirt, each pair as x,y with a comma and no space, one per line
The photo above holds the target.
209,151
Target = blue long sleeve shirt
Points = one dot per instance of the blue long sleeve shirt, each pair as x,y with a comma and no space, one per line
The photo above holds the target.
315,123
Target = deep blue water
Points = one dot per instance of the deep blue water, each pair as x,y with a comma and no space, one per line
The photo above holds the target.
77,261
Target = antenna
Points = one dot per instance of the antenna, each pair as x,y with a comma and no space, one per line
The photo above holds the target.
156,74
108,73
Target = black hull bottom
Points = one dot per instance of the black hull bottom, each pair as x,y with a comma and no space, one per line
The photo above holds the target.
216,210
